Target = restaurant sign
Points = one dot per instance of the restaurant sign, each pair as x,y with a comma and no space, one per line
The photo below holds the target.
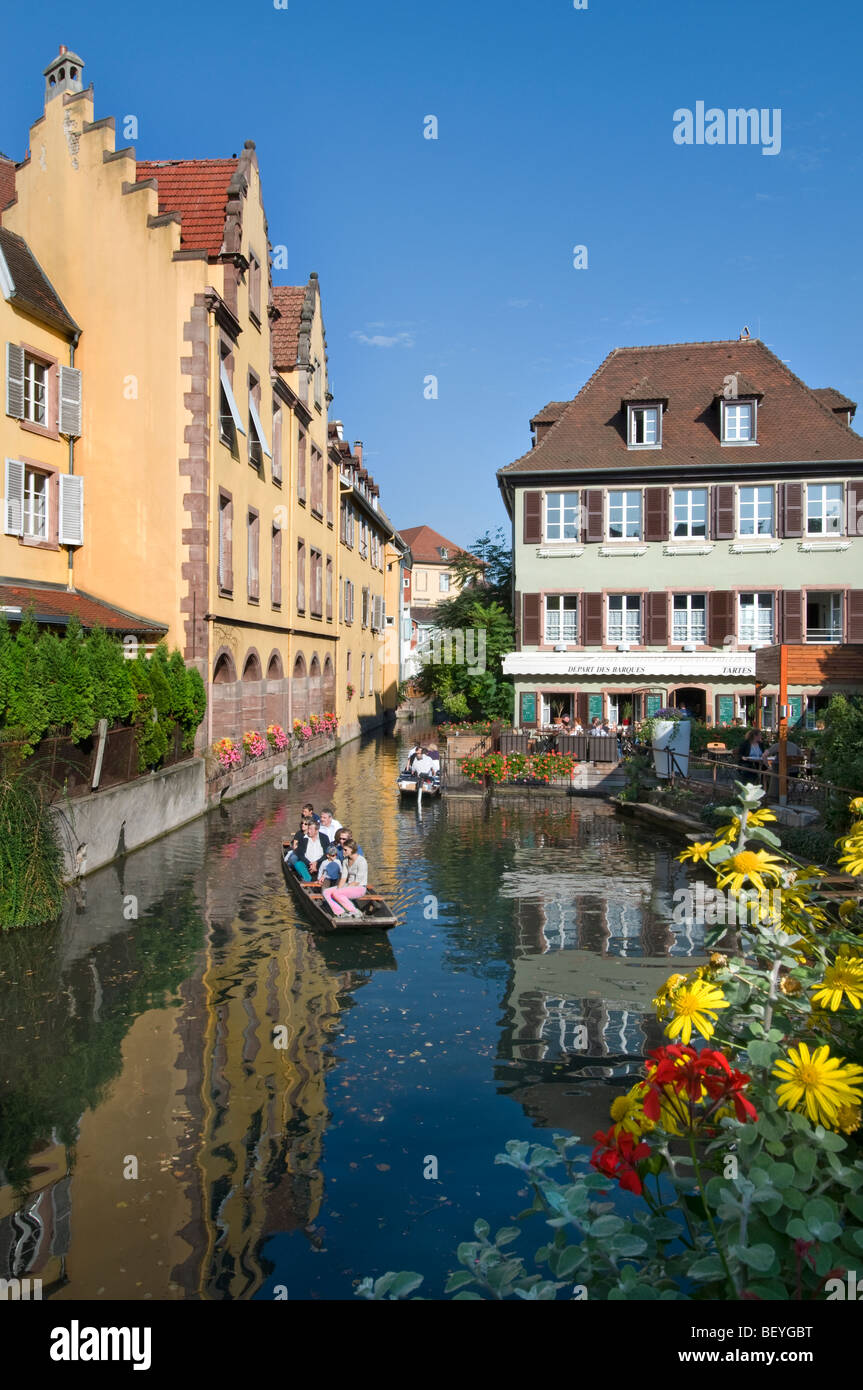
641,668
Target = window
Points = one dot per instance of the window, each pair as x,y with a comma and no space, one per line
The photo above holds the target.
690,512
364,539
365,608
254,287
406,581
276,567
317,584
561,516
330,485
226,543
823,509
301,576
624,617
277,443
362,675
624,515
561,618
738,422
823,617
317,482
258,444
35,391
755,622
689,618
329,582
444,553
348,663
444,583
253,528
230,423
371,673
301,466
421,580
644,426
756,511
35,504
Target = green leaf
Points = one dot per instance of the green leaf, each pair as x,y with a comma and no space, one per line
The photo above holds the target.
708,1267
467,1252
474,1297
481,1229
506,1234
606,1226
762,1054
628,1245
805,1159
759,832
571,1259
662,1228
757,1257
404,1283
458,1280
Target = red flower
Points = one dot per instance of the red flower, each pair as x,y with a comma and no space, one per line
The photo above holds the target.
616,1155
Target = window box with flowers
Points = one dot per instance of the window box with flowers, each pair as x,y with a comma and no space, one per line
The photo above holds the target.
254,743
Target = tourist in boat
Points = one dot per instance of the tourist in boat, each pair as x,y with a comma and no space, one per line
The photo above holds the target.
309,813
332,871
342,838
311,848
356,883
329,825
424,768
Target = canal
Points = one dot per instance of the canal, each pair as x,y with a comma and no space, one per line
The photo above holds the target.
202,1099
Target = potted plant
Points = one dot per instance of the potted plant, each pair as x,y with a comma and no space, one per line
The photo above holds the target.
668,732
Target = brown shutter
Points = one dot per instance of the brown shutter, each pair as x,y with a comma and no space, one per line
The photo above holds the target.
657,619
722,528
532,534
656,514
791,511
720,617
855,615
531,624
582,708
593,514
792,611
592,628
516,613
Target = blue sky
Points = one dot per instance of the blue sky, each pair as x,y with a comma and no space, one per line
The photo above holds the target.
454,257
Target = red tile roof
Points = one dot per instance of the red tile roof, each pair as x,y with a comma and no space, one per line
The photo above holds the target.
550,413
833,399
54,605
794,424
198,190
288,299
33,291
425,545
7,180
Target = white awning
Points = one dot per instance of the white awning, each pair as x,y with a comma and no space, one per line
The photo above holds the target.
635,665
253,411
229,396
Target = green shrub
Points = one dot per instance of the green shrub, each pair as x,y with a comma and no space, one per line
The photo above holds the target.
31,888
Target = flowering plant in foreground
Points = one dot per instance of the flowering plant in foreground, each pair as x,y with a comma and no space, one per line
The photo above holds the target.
740,1137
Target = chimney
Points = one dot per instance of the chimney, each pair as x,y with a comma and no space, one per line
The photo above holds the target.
63,74
358,450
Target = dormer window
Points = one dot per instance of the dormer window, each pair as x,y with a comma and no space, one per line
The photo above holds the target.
644,426
444,553
738,422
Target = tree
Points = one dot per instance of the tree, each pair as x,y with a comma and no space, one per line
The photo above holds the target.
487,566
466,675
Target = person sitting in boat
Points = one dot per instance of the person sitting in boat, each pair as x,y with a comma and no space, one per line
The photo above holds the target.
434,753
356,883
331,871
311,848
329,825
424,768
342,838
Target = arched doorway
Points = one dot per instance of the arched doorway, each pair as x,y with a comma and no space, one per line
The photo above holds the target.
224,671
252,667
693,699
300,688
329,685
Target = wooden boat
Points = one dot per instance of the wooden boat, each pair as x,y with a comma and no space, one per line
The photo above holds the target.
407,784
309,897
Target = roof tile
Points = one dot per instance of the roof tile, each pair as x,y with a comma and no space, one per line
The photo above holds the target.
198,190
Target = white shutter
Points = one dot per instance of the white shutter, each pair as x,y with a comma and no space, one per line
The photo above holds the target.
15,381
70,401
229,396
71,509
253,411
13,512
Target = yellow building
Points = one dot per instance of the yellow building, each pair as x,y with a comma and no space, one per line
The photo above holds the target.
213,493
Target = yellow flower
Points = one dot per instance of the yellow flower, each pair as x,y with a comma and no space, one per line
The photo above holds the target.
756,865
727,833
694,1005
852,860
697,852
818,1085
847,910
759,817
844,976
627,1112
848,1118
661,1002
856,806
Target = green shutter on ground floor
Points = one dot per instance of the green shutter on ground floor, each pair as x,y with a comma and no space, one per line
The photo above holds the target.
725,709
594,707
654,705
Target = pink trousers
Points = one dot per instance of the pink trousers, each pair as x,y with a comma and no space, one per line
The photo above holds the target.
340,898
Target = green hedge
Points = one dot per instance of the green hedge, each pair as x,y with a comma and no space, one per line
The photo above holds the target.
51,683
